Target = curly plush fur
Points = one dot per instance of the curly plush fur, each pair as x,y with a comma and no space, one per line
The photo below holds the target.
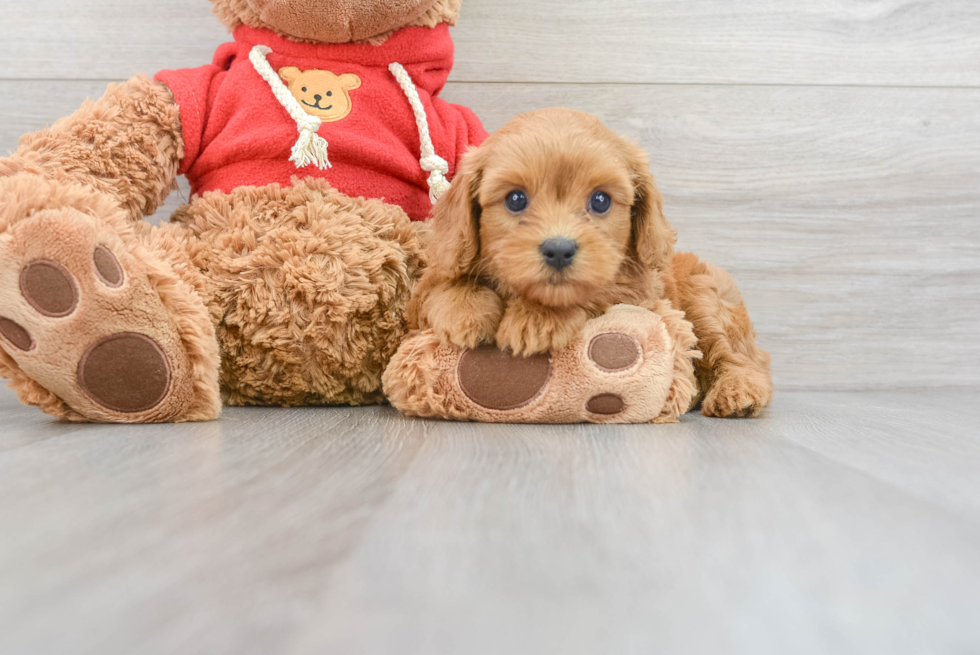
295,325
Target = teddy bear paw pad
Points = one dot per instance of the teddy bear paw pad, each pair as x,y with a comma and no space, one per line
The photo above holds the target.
125,372
15,334
612,352
80,317
49,288
499,381
615,352
606,404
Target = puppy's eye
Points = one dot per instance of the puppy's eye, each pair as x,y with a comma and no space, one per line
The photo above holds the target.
329,94
600,203
516,201
304,89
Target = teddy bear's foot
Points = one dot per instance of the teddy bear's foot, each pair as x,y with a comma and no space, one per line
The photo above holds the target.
91,326
620,369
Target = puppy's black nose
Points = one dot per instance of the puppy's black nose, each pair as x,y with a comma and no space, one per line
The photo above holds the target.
559,253
318,98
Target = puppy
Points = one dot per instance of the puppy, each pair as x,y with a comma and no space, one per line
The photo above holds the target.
554,220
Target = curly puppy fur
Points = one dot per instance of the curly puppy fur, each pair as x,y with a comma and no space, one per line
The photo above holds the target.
489,282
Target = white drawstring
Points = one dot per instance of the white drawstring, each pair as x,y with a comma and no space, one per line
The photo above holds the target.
311,148
430,162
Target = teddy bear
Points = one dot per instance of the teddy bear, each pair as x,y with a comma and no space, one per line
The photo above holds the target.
313,142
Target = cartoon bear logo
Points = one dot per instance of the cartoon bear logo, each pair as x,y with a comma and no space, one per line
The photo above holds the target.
321,93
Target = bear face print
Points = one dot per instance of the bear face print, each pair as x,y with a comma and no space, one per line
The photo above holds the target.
321,93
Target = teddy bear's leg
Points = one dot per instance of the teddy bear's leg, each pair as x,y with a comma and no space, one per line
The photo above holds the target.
94,322
629,366
309,290
734,376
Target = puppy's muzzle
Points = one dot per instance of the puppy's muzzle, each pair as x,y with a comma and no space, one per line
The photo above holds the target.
559,253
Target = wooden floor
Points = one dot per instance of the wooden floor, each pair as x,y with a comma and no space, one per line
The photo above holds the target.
837,523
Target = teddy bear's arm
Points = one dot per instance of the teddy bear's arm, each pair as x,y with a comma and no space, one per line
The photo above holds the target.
126,145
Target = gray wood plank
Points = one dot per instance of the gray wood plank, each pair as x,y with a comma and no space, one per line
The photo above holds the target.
839,522
712,537
887,42
719,42
105,39
142,539
849,216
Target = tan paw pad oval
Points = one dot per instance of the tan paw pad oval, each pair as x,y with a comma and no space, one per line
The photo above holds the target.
108,268
606,404
16,334
614,352
125,372
49,288
497,380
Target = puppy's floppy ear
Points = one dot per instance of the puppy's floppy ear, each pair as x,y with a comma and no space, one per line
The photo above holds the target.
653,238
455,227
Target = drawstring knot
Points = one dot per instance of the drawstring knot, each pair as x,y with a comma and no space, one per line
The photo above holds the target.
311,148
430,161
439,169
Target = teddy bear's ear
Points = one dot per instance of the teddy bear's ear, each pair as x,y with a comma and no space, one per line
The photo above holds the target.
350,81
290,74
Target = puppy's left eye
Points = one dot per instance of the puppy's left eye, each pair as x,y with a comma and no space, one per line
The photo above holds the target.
516,201
600,203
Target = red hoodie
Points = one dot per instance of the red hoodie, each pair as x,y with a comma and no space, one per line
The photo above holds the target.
236,133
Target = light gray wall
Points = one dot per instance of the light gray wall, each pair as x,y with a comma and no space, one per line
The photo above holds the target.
825,152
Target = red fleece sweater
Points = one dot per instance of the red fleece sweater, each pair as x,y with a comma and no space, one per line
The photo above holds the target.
237,134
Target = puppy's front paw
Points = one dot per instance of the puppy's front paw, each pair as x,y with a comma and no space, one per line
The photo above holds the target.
528,330
738,393
464,316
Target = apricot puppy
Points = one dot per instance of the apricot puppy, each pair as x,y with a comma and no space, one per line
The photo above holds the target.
551,222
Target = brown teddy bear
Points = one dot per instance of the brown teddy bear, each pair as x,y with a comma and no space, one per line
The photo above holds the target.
311,142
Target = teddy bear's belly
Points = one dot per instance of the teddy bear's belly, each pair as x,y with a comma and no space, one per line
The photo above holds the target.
307,288
352,180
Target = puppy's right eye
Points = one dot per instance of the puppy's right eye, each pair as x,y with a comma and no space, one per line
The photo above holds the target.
600,203
516,201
